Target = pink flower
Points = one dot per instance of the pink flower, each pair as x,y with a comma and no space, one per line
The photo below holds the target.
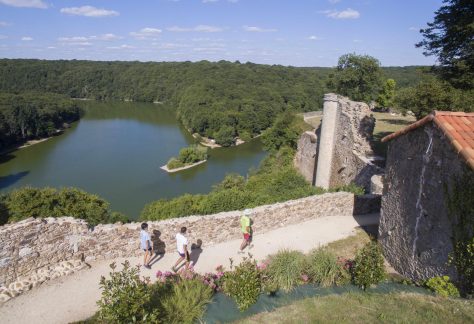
304,278
159,273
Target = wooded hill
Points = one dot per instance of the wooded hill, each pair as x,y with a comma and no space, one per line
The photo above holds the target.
217,100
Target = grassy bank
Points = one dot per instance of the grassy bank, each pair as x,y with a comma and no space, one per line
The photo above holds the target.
366,307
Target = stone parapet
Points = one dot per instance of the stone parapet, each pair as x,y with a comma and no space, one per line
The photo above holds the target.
34,244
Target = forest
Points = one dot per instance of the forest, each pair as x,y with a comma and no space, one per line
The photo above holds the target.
34,115
219,100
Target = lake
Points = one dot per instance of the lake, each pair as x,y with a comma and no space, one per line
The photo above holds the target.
116,151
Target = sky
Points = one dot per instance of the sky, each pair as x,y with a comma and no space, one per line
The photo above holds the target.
285,32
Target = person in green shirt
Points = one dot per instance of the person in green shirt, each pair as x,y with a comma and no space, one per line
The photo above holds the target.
245,223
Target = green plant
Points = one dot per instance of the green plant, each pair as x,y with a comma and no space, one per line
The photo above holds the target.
187,301
243,284
369,266
174,163
125,297
286,268
442,286
324,269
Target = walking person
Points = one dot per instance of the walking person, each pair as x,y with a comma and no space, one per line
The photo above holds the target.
246,227
182,247
146,245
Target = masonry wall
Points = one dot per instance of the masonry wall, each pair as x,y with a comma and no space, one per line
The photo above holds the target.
415,230
305,157
35,244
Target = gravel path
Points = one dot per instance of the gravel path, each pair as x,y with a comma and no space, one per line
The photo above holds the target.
73,298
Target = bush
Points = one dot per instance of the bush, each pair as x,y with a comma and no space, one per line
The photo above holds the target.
325,270
225,136
243,284
126,298
192,154
174,163
442,286
369,266
49,202
187,302
286,268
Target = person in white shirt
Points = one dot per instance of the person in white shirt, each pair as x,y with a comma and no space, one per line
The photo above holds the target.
145,244
182,247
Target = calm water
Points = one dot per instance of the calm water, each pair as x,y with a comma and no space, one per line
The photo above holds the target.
116,151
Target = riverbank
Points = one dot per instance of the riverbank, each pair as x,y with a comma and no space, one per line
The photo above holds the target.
29,143
165,167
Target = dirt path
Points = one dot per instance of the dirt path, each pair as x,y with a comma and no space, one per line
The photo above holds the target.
74,297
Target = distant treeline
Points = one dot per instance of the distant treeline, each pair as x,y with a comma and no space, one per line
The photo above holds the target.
220,99
32,115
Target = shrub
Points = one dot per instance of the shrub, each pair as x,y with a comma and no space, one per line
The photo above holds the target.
174,163
125,298
187,301
243,284
369,266
286,268
192,154
442,286
49,202
325,269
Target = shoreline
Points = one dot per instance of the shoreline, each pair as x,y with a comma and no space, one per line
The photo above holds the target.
165,167
26,144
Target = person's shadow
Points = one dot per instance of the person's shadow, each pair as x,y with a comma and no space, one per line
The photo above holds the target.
196,250
159,247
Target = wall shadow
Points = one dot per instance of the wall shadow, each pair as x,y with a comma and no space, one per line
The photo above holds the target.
6,181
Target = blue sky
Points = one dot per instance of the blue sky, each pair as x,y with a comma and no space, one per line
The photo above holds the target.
287,32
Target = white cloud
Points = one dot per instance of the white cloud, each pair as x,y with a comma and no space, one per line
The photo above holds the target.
233,1
25,3
199,28
88,11
27,38
344,14
4,24
146,33
51,47
357,41
414,29
105,37
123,46
255,29
334,1
314,37
209,1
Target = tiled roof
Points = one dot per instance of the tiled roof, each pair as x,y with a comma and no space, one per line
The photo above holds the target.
457,126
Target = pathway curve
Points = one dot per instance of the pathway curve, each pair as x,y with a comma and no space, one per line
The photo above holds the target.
73,298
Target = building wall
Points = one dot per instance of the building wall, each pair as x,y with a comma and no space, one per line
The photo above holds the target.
33,245
415,230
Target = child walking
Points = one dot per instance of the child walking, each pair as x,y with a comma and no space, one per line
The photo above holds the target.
182,247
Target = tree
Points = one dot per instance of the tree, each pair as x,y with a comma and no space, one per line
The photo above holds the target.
225,136
357,76
284,132
450,38
387,95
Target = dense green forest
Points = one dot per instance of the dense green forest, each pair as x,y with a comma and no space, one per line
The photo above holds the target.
219,100
33,115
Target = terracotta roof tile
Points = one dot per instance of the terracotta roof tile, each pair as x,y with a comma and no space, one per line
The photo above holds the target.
457,126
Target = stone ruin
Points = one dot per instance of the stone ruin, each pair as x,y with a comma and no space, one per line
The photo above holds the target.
338,152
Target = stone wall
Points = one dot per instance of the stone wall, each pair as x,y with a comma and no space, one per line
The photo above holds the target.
352,158
415,230
32,245
305,157
352,151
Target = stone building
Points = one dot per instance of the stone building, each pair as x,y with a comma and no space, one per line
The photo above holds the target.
339,152
424,161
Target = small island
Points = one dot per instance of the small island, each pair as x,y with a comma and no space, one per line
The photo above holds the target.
188,157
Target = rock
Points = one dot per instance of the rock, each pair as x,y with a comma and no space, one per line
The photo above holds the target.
376,184
25,251
4,297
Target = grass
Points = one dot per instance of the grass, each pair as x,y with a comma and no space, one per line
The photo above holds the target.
360,307
347,248
286,268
